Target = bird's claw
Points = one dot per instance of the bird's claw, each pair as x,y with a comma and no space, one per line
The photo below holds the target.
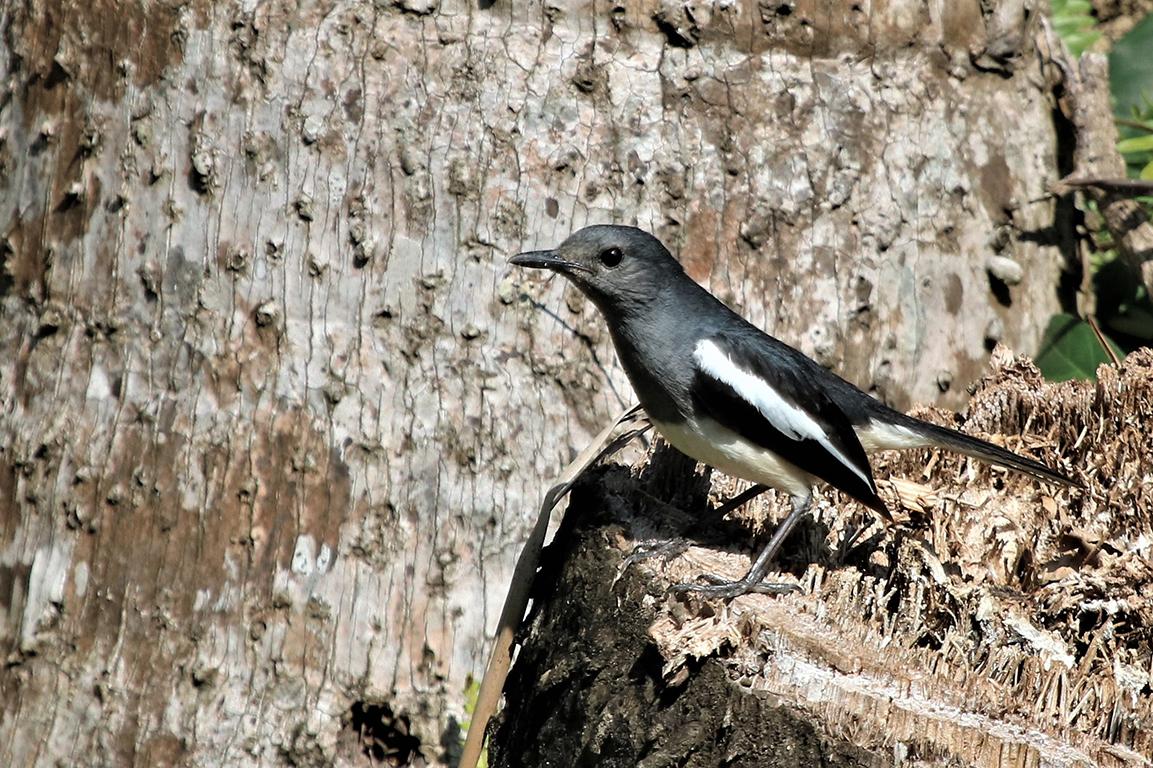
646,550
665,549
724,589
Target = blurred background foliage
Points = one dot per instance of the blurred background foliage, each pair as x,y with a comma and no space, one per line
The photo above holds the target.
1071,348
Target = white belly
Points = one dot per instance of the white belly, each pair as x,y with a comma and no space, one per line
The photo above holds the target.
707,441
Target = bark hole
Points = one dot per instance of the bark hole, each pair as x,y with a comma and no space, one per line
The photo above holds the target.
384,737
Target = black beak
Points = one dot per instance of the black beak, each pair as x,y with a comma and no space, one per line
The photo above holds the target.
546,260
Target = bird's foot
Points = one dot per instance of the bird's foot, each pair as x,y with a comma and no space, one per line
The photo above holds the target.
725,589
666,549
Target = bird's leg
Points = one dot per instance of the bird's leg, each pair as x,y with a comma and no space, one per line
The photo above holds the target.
670,548
753,580
741,499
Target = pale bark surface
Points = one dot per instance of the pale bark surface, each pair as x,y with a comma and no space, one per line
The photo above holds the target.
274,412
997,622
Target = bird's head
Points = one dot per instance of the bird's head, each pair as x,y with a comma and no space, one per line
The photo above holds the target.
619,268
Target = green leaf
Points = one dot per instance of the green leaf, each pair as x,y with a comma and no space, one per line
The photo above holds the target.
1070,350
471,694
1136,144
1068,26
1147,172
1133,321
1079,42
1073,21
1131,68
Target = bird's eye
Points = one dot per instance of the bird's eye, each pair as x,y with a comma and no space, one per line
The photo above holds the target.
610,257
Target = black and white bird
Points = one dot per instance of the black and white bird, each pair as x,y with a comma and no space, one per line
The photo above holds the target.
731,396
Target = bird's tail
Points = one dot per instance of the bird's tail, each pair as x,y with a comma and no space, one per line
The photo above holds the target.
951,439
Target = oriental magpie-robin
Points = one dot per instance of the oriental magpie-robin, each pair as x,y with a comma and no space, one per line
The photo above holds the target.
727,394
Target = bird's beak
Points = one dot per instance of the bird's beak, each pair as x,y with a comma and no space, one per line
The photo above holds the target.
546,260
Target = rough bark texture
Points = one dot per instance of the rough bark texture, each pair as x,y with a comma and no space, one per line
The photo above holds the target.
274,414
588,688
997,622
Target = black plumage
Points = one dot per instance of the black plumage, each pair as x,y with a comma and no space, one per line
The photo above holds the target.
721,402
725,392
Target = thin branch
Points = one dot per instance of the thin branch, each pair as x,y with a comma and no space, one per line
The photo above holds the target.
1092,321
1116,186
1140,125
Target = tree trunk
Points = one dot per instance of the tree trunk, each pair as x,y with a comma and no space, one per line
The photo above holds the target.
998,622
275,414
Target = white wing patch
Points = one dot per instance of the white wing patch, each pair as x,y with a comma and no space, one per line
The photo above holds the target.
783,415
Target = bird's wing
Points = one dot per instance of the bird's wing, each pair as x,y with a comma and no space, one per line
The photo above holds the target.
774,401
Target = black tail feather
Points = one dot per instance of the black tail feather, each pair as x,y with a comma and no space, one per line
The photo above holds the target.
952,440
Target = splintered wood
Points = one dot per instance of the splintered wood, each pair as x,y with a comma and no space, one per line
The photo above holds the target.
995,621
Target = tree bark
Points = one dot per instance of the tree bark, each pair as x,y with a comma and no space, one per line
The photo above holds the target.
275,414
588,682
996,622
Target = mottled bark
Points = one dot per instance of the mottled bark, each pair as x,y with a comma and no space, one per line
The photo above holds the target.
275,415
996,622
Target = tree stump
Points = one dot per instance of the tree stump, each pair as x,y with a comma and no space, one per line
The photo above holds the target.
995,621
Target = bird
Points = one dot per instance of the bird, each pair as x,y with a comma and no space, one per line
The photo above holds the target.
727,394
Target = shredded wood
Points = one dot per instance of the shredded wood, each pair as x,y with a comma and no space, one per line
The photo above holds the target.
995,615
